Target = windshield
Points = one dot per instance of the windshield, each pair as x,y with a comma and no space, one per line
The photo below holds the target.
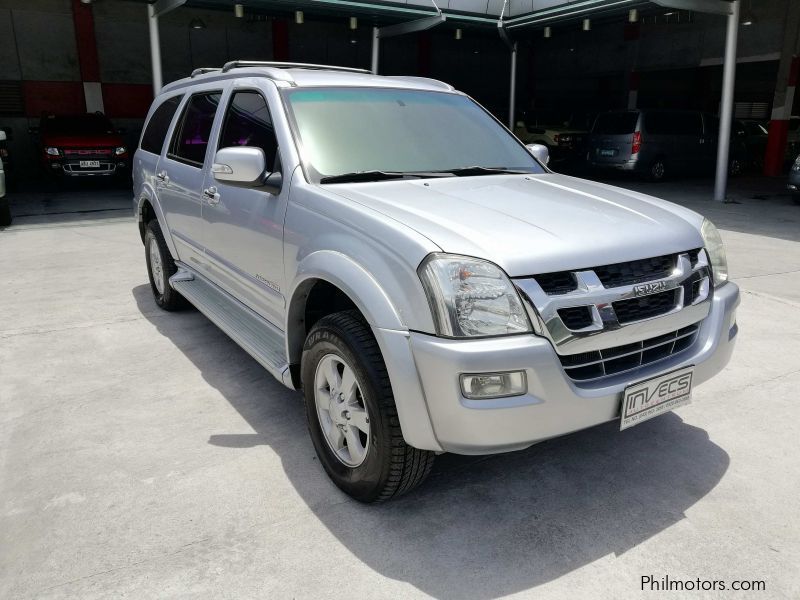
354,130
615,123
81,124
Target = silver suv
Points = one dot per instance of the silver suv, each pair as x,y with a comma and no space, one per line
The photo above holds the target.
386,246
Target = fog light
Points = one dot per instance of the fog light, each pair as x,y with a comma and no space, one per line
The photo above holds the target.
482,386
55,165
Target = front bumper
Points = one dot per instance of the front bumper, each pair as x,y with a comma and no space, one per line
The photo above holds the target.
554,404
72,168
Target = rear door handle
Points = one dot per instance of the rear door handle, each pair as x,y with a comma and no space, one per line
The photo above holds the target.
162,177
211,195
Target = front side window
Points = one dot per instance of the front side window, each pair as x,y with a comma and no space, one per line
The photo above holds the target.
190,140
248,123
157,127
357,130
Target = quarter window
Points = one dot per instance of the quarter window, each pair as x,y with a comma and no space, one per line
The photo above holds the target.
156,130
248,123
190,140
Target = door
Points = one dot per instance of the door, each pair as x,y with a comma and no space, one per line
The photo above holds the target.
243,226
179,175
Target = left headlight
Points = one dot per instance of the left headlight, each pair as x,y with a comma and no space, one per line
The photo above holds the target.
716,252
120,150
470,297
52,151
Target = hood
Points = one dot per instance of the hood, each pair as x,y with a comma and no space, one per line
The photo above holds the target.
529,224
108,140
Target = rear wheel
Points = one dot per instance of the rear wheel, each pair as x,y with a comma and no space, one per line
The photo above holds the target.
658,170
352,416
160,267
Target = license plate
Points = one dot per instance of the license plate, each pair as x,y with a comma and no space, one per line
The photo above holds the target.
607,152
647,399
90,164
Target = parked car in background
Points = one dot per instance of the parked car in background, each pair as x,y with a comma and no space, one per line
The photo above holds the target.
793,139
748,145
5,153
794,179
565,140
385,246
5,209
658,143
85,145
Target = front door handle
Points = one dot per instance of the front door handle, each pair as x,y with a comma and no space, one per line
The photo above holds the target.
211,195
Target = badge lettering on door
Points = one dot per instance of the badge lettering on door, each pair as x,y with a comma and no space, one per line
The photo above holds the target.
654,287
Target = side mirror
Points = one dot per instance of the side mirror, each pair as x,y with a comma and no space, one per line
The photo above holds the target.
245,166
540,152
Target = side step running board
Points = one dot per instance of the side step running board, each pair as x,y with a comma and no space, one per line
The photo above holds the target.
257,336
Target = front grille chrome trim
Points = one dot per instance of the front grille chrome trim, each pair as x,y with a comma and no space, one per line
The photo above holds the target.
605,330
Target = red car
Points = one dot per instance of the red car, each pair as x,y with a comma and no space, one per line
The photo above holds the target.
82,146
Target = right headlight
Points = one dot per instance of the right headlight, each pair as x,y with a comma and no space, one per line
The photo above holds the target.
470,297
716,252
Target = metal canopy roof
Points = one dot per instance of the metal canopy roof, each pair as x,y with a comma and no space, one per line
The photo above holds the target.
517,13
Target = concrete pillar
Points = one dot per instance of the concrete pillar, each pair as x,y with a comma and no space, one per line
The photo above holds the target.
376,49
788,72
512,93
155,50
726,111
633,89
83,19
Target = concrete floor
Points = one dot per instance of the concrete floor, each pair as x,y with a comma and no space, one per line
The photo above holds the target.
143,454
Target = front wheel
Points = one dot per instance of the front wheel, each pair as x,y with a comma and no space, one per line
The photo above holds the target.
351,412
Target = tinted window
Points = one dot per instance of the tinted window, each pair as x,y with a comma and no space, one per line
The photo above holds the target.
345,130
156,130
90,124
248,123
615,123
190,140
673,123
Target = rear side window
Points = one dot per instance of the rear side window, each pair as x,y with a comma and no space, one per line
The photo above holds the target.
615,123
156,130
190,140
248,123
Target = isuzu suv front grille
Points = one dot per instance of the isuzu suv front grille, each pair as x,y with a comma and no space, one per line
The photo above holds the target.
619,308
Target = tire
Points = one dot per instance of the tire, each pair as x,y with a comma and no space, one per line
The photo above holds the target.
381,465
5,212
657,171
160,267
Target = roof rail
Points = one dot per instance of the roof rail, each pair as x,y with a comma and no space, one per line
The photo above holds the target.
235,64
202,70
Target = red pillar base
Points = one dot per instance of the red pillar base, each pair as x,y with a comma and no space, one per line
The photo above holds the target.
776,148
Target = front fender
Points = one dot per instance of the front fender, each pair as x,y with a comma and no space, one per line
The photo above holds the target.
387,325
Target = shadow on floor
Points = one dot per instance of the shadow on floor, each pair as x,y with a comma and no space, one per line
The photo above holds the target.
480,527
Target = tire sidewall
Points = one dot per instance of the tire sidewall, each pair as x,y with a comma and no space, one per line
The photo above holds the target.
362,481
149,239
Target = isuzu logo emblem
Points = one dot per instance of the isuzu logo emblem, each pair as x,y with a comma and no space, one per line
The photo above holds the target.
654,287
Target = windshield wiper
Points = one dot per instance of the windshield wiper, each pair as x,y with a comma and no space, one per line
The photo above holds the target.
478,170
357,176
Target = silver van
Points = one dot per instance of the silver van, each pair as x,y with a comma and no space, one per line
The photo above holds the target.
654,143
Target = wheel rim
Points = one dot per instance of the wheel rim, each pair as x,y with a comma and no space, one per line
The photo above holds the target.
156,267
342,413
658,170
